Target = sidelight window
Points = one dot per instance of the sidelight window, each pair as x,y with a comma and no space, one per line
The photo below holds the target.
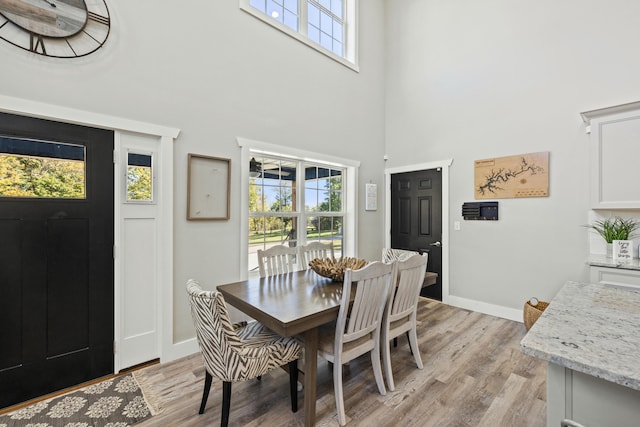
139,178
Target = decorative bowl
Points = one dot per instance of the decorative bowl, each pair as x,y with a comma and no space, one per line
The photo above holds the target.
334,268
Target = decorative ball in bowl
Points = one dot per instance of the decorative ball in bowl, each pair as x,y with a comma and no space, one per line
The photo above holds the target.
334,268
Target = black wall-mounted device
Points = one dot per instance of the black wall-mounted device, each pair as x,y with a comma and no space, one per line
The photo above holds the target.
480,210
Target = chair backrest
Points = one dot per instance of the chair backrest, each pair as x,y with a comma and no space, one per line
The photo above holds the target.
277,260
390,255
362,322
315,250
403,297
216,335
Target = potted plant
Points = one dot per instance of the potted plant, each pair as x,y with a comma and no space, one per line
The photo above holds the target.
615,228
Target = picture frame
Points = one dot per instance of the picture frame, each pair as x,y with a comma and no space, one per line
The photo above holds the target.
208,188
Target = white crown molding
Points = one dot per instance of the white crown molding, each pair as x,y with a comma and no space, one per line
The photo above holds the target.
42,110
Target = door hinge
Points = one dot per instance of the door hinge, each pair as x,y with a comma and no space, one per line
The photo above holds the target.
115,157
114,251
114,347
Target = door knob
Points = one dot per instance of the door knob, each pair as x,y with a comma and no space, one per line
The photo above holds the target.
438,244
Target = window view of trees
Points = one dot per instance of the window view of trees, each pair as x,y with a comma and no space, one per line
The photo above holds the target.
323,199
36,177
139,177
271,203
138,183
273,200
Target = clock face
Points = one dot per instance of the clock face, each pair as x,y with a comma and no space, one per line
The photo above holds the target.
58,28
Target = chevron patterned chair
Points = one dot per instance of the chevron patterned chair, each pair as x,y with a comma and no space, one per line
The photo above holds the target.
237,352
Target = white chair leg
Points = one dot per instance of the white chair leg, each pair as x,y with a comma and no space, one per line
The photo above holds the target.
377,369
337,389
413,342
386,361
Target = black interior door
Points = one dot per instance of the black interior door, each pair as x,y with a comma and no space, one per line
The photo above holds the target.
56,259
416,219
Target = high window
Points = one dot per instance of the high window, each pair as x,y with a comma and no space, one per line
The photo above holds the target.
328,26
294,202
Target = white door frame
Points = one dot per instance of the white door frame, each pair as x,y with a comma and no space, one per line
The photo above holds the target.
444,166
167,135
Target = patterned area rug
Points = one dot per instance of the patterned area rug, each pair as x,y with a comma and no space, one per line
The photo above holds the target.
117,402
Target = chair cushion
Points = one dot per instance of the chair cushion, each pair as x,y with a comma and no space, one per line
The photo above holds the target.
259,341
326,342
235,352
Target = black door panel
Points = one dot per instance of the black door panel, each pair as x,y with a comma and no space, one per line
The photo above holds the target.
416,219
56,272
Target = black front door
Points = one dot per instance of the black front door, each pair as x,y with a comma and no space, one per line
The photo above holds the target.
56,256
416,219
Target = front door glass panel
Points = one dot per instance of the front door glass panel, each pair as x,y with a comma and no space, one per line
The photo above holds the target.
31,168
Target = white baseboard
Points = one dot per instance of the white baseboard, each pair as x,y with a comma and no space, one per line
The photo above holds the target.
486,308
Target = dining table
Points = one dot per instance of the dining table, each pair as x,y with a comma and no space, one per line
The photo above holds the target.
291,304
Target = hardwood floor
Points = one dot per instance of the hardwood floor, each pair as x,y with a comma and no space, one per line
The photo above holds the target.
474,375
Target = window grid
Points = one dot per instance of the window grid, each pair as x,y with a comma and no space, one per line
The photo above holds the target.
288,193
283,11
326,25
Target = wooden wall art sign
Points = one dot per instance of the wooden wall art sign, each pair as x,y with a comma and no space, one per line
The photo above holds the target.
524,175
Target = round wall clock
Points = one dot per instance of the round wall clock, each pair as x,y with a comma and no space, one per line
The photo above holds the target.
58,28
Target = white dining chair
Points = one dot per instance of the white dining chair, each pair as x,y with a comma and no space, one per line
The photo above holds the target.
315,250
391,254
357,330
400,312
277,260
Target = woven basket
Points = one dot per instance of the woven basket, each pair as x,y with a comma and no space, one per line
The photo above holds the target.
334,268
532,312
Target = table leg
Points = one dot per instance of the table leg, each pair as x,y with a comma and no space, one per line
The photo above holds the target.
310,375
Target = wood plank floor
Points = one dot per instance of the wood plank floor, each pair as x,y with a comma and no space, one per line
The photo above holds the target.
474,375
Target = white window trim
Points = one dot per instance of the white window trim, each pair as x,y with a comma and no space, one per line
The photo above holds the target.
351,24
350,195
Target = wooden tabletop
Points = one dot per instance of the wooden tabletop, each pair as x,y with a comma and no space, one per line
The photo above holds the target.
288,304
291,304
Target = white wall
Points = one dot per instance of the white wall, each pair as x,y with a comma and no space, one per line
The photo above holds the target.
471,80
215,72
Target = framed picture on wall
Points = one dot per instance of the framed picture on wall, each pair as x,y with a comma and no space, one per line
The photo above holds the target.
208,188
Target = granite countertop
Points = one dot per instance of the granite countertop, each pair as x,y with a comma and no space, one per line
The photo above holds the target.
593,329
604,261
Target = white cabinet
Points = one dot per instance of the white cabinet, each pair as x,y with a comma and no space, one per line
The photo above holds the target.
588,400
614,153
615,276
